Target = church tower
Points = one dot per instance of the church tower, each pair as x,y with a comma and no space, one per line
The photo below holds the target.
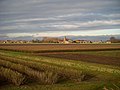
64,40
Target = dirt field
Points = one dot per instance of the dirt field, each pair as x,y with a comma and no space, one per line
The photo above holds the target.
58,51
84,57
57,47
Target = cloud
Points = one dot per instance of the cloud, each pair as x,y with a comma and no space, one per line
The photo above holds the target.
66,33
14,35
51,17
88,14
60,26
73,25
65,26
99,23
31,20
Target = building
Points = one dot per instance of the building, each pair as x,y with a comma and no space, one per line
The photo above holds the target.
108,42
61,41
83,41
98,42
67,41
50,40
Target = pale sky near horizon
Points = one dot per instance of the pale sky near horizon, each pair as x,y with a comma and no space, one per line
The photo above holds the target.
37,18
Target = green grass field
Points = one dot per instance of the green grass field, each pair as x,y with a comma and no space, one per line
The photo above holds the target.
26,71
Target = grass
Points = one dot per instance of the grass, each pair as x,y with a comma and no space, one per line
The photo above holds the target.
64,63
41,77
12,76
70,86
60,74
62,71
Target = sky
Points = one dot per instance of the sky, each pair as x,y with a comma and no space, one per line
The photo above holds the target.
52,18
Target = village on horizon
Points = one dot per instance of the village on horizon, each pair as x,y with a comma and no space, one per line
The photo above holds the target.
64,40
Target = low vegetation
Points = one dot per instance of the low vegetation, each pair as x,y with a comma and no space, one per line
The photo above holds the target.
62,72
12,76
29,71
41,77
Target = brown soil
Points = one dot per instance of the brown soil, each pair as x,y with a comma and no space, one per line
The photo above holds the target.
58,47
84,57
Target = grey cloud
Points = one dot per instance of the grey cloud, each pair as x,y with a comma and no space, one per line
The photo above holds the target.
32,16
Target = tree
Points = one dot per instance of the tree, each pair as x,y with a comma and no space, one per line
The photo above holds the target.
112,38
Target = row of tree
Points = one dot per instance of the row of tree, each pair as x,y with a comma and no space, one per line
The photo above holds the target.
114,40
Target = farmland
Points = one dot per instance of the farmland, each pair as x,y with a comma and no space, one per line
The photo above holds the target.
58,47
59,67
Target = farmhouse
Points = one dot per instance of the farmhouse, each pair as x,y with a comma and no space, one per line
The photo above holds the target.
83,41
108,41
60,41
14,41
50,40
2,41
97,42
